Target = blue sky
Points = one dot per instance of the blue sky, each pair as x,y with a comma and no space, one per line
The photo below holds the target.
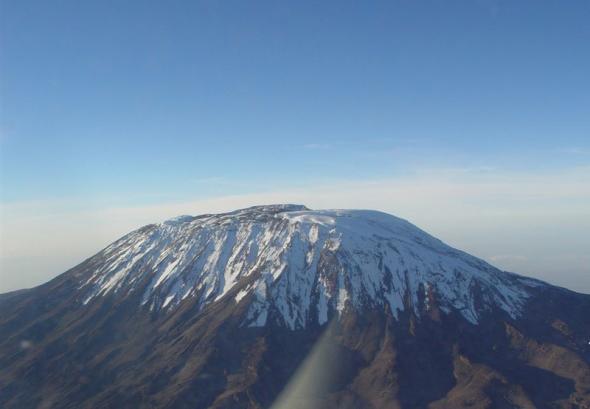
140,103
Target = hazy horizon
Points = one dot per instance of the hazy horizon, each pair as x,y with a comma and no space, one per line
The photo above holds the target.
470,216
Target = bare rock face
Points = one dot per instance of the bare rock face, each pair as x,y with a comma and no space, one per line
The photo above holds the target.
281,306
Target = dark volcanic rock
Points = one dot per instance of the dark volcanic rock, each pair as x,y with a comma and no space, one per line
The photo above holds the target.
125,348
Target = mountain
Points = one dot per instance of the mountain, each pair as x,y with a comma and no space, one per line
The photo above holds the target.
285,307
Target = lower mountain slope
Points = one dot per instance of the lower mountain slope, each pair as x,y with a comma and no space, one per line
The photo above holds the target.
280,306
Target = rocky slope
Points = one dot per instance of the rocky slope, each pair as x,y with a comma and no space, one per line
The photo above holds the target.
240,309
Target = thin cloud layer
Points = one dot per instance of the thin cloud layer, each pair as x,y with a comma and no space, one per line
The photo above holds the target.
531,223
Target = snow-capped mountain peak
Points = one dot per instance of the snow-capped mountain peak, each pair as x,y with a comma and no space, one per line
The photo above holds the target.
294,265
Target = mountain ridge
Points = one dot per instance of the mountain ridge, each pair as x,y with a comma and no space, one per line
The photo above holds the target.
465,335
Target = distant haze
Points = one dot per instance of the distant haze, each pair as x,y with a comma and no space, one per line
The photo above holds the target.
537,225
